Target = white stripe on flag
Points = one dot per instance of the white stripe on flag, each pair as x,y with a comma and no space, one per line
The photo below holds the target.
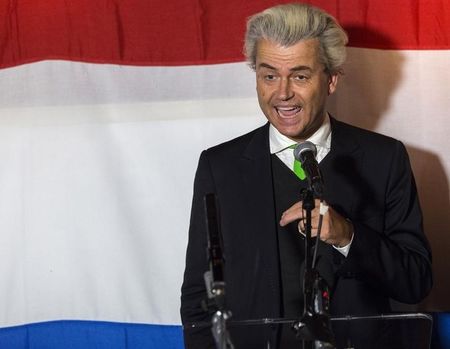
98,162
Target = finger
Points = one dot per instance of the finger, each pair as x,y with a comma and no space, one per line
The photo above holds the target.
295,207
292,214
301,228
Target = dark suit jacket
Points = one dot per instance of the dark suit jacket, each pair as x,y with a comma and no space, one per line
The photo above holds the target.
368,180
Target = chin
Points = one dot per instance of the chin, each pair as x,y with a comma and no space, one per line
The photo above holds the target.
290,134
290,131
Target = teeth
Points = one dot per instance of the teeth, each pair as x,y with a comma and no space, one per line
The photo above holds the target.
288,108
288,111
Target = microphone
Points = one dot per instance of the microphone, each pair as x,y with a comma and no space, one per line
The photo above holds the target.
214,278
306,153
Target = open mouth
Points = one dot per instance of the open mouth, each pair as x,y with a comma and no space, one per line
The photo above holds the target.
288,112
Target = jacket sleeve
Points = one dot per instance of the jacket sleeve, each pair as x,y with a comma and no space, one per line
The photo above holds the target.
396,261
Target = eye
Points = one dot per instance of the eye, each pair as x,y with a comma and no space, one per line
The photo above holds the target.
269,77
301,77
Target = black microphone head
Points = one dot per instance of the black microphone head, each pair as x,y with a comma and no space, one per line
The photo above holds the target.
302,147
306,153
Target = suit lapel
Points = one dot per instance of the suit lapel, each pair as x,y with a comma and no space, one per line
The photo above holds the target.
255,165
339,168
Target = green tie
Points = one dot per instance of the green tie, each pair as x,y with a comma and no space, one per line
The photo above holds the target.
298,170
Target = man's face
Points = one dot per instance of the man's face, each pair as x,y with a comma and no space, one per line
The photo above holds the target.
293,86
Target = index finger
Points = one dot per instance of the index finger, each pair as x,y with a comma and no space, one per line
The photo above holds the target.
291,214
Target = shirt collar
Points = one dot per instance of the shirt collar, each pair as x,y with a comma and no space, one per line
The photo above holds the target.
321,138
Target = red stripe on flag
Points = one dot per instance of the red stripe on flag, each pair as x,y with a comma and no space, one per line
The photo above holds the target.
180,32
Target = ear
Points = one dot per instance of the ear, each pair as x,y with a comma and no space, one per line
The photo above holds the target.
332,82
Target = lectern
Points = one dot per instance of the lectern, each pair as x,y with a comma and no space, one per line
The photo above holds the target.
388,331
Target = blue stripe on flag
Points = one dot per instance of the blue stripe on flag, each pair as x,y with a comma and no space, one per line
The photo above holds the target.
441,331
91,334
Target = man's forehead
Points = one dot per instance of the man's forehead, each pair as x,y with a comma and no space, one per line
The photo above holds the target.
264,65
270,54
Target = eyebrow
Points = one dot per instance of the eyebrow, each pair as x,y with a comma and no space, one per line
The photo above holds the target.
297,68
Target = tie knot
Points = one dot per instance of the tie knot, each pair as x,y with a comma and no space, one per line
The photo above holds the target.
298,170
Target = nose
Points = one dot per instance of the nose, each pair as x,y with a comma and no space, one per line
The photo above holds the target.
285,91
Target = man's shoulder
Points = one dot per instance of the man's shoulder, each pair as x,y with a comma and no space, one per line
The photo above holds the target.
363,137
239,144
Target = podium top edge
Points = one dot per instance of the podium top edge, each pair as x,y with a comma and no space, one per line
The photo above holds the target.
280,321
399,316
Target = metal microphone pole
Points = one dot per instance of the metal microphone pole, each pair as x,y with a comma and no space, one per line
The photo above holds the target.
214,277
314,326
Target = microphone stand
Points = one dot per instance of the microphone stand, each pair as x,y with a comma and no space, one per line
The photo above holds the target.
219,319
214,277
314,326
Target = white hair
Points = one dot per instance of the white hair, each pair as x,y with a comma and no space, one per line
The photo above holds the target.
288,24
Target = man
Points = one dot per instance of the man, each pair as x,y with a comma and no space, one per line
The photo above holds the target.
372,245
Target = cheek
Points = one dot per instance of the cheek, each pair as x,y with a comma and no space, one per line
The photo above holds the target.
317,96
262,94
262,100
